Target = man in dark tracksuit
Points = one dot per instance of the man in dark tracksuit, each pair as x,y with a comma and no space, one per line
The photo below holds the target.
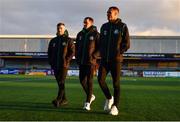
114,41
60,52
86,45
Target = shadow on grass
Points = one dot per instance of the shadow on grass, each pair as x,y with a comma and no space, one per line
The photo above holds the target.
43,107
76,113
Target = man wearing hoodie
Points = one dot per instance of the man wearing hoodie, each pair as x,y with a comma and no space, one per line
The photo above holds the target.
60,52
114,41
86,45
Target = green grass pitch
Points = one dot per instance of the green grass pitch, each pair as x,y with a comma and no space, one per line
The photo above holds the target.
29,98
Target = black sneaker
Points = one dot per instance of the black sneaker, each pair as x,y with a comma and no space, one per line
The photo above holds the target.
56,103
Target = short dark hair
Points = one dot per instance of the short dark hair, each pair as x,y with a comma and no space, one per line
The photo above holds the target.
59,24
90,18
114,8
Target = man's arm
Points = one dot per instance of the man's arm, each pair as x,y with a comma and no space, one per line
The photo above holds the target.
71,50
96,53
76,46
125,45
50,52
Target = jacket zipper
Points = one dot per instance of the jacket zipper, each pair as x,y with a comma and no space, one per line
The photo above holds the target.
59,48
107,57
84,44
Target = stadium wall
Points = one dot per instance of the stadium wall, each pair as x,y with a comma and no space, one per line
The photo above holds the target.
147,54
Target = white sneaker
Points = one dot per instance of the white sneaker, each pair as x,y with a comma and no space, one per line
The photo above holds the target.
87,106
92,98
114,111
108,104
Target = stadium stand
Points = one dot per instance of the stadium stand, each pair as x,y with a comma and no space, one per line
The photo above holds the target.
25,53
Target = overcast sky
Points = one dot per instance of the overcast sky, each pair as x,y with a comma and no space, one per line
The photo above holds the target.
143,17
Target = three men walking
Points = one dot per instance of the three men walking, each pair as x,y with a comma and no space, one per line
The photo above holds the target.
110,45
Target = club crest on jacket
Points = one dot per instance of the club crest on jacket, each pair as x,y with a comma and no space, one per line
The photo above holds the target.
91,38
116,31
64,43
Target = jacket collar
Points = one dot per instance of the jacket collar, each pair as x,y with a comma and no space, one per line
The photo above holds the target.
118,20
92,28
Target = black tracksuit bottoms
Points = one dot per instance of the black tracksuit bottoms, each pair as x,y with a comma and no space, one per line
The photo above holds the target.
115,69
86,73
60,76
